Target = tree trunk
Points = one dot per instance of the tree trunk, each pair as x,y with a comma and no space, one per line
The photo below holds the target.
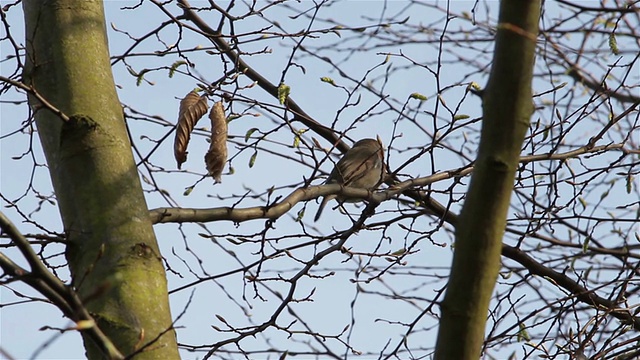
112,252
507,108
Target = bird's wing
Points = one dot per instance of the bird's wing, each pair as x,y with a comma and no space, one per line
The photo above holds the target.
352,168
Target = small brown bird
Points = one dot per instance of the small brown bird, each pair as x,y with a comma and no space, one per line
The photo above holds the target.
360,167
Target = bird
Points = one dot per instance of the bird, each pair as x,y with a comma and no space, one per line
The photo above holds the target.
362,166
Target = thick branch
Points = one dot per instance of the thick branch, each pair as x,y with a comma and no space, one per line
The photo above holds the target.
507,107
580,292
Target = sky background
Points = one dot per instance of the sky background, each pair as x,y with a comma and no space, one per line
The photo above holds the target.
158,95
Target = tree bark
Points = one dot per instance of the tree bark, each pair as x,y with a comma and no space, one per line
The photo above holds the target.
507,108
112,251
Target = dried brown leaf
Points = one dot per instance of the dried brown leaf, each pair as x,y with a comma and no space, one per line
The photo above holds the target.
192,108
216,157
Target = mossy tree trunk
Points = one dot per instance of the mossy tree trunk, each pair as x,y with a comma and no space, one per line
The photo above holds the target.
112,250
507,109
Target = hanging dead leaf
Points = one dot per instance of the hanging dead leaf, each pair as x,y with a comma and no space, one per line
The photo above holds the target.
216,157
192,108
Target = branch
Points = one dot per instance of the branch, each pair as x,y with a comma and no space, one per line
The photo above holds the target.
52,288
275,210
242,67
581,293
625,10
30,90
577,73
292,287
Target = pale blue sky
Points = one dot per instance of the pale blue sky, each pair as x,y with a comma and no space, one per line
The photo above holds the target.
331,309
